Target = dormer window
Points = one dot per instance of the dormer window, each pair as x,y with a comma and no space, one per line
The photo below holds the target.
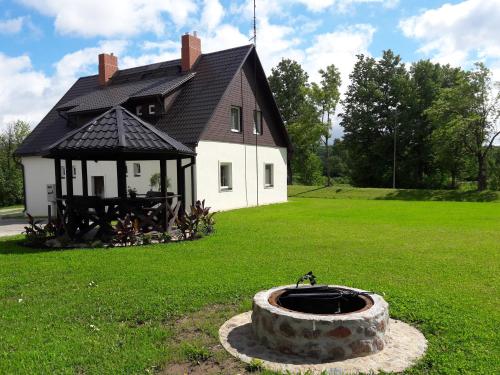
138,110
151,109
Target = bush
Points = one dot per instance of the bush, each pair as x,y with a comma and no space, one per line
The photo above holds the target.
200,221
37,233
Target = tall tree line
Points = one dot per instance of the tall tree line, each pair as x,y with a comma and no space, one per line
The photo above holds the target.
425,125
11,178
307,110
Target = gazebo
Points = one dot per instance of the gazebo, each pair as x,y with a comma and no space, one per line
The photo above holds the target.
118,135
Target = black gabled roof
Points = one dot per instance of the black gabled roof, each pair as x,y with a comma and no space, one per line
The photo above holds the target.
199,93
194,106
118,93
116,132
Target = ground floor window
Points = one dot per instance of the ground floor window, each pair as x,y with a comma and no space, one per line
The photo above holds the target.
225,176
268,175
137,169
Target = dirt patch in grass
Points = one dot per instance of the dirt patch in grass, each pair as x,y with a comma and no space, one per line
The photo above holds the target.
195,348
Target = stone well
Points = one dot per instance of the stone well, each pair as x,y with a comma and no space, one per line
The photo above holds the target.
321,337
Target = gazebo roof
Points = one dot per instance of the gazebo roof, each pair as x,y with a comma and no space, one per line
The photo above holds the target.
117,134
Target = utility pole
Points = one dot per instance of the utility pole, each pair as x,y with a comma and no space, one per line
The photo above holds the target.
394,147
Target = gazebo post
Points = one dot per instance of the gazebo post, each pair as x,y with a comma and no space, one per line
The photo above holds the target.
121,178
163,177
57,168
69,177
181,183
193,163
85,182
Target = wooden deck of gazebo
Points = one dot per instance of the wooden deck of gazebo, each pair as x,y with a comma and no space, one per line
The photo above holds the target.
118,135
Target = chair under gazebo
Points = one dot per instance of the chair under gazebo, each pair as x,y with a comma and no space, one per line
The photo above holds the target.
118,135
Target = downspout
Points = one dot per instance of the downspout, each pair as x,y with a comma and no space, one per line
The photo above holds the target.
261,125
243,132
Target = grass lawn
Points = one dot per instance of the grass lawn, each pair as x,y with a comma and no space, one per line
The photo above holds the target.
349,192
143,309
11,211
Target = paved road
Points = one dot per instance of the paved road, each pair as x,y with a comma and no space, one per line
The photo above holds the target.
10,227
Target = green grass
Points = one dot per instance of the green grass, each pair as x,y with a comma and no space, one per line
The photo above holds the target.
349,192
11,211
98,311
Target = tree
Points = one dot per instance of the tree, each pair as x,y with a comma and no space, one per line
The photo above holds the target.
326,96
470,110
305,133
288,82
375,108
11,180
423,158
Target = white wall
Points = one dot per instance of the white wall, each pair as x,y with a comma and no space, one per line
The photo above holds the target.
39,172
210,154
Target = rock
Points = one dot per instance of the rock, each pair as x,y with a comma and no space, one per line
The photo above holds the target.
287,329
53,242
90,235
370,331
361,347
339,332
337,353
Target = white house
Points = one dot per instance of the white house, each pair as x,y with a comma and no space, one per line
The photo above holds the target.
218,105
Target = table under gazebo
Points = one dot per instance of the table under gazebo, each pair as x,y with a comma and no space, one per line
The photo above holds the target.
118,135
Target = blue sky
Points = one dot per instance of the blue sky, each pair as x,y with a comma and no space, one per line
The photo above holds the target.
46,45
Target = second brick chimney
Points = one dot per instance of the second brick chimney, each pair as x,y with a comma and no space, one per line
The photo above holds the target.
108,65
190,51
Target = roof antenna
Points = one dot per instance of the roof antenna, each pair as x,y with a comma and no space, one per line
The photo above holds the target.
254,38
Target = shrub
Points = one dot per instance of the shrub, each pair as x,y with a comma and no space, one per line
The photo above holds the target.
127,232
37,233
199,221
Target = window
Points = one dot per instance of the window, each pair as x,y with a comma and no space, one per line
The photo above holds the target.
138,110
137,169
257,122
151,109
225,177
74,172
268,175
63,171
236,119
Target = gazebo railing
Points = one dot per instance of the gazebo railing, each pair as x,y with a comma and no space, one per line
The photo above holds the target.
81,214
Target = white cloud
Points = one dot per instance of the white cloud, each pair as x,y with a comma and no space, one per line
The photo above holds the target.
343,5
339,47
28,94
456,33
11,25
213,13
111,18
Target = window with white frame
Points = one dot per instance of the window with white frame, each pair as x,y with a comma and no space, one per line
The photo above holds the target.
74,172
63,171
152,110
137,169
236,119
268,175
225,177
257,122
138,110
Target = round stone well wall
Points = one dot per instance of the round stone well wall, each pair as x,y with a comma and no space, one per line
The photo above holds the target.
316,336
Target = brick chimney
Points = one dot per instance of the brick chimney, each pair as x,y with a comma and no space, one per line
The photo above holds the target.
191,50
108,65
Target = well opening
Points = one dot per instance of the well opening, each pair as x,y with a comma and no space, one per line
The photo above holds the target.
322,300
